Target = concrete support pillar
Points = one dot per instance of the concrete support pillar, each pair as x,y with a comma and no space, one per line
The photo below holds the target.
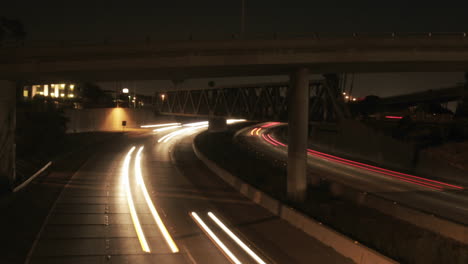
298,125
7,134
217,124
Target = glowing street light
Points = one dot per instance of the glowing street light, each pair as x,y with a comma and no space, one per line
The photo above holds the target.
163,96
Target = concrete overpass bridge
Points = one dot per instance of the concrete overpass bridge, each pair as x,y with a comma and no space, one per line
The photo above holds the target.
296,57
236,57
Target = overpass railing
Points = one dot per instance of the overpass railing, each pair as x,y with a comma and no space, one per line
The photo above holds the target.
224,37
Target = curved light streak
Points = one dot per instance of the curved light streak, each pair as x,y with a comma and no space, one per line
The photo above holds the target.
236,239
233,121
258,131
214,238
253,131
196,124
131,205
139,176
168,137
428,183
160,125
166,128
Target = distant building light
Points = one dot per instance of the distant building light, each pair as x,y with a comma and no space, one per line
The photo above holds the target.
72,86
344,93
394,117
25,93
62,85
347,97
163,96
71,95
125,90
52,94
354,99
62,95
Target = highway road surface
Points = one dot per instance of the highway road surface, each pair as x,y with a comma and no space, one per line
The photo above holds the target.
148,199
445,199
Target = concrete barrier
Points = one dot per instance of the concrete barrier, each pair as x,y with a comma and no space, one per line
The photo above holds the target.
342,244
108,119
443,227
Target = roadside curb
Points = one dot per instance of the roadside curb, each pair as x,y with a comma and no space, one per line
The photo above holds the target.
345,246
26,182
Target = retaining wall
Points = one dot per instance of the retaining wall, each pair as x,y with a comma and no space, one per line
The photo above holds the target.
107,119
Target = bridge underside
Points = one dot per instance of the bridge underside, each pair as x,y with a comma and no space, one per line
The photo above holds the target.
146,71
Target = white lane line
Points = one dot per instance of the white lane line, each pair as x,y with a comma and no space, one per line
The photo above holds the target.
214,238
139,176
131,205
236,239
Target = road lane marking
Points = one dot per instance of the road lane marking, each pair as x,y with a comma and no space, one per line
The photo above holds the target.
131,205
214,238
138,174
235,238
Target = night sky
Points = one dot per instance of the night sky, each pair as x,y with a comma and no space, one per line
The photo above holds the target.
135,20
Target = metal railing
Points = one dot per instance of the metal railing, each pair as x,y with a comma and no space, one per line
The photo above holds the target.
249,37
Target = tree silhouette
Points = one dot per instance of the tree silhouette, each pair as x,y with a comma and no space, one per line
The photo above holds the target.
11,29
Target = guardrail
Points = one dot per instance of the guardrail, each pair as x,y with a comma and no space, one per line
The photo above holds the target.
266,36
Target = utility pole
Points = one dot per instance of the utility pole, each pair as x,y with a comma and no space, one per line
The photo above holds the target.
242,18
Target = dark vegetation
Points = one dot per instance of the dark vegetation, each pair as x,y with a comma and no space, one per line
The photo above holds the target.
40,135
399,240
11,30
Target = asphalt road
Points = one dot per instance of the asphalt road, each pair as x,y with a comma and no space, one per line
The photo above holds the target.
441,198
144,201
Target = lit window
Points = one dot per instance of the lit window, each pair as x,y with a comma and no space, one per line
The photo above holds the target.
25,93
72,86
46,90
71,95
62,85
62,95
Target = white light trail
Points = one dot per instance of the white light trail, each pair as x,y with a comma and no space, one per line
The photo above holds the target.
166,128
168,137
236,239
138,174
161,125
131,205
232,121
196,124
214,238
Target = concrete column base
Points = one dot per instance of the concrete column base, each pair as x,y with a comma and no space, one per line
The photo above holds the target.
217,124
298,125
7,135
